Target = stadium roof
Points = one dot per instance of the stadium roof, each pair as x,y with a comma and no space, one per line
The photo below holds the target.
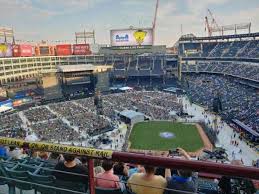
191,38
75,68
131,114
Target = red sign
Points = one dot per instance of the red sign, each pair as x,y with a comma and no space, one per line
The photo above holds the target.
22,50
81,49
63,49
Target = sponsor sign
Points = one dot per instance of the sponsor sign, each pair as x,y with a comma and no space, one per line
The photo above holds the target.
130,47
81,49
132,37
50,147
64,49
191,51
6,50
23,50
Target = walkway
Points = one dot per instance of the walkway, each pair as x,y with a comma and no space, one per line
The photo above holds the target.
225,134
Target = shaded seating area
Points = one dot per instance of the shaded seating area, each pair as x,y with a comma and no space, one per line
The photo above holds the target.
35,175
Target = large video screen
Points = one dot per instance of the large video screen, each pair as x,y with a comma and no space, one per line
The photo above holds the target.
132,37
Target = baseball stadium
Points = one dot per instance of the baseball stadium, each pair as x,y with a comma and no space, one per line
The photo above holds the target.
150,104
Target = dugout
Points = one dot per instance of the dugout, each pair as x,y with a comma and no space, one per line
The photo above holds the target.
131,116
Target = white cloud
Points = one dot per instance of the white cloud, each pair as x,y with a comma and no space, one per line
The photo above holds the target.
13,9
167,9
200,6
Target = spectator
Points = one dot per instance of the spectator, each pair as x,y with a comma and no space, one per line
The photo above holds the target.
137,169
234,185
120,169
54,158
148,182
43,155
3,151
184,180
15,153
107,179
69,165
83,160
98,170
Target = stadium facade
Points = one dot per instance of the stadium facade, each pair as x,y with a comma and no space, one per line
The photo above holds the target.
20,68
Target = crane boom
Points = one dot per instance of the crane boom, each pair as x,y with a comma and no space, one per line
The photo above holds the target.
154,21
213,20
213,26
207,26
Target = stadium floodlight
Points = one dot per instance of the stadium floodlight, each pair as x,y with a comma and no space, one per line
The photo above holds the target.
6,33
85,35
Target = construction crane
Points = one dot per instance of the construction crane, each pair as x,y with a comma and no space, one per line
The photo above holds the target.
213,26
154,21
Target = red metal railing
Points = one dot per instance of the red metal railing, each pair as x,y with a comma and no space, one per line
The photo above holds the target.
198,166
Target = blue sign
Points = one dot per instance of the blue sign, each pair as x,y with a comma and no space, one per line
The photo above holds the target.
122,38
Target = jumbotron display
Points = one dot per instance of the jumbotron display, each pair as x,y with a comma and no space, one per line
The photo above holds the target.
132,37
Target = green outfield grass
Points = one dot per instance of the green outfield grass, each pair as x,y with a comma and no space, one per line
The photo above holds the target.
146,136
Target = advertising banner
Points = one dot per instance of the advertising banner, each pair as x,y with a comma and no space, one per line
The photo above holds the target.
59,148
6,50
132,37
191,51
81,49
63,49
23,50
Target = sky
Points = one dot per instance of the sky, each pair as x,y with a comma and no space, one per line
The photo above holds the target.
52,20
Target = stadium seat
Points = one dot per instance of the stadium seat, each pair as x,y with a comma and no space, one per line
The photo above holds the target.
49,165
27,168
45,171
99,190
44,180
207,187
69,185
19,175
33,161
2,174
8,164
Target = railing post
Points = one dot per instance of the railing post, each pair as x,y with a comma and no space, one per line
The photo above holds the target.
91,176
